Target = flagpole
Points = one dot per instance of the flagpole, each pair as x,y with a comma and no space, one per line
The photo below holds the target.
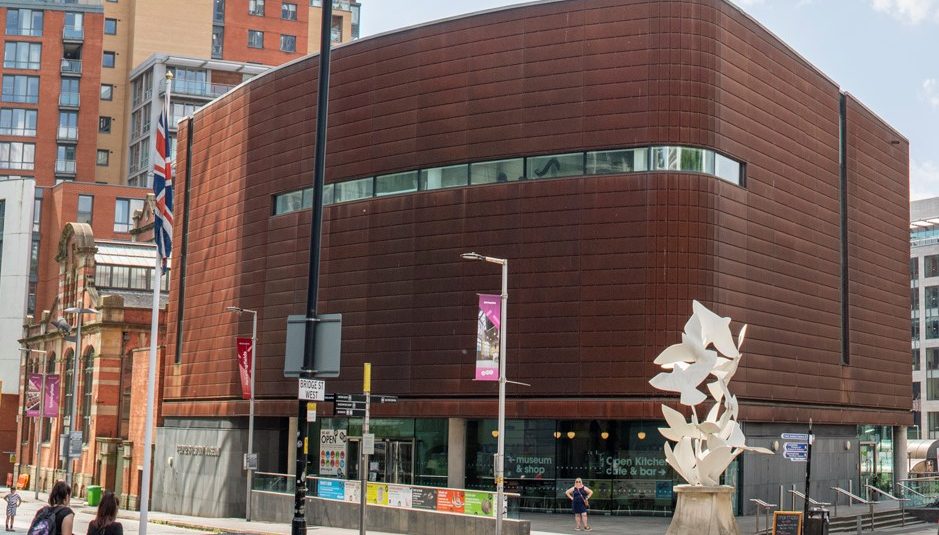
152,362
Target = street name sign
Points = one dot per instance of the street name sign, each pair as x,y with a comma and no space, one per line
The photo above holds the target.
797,456
801,437
796,446
312,390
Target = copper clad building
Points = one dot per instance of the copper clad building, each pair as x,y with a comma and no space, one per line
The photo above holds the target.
627,157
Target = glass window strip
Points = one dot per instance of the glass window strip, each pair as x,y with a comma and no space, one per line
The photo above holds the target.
601,162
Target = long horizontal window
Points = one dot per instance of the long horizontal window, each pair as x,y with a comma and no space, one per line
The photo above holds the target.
602,162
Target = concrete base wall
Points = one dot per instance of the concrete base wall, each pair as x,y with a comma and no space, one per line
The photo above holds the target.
835,462
210,482
274,507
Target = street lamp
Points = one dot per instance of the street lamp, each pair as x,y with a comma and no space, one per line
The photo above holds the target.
254,358
73,411
42,413
500,448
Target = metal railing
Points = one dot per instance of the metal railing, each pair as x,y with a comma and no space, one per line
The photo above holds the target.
198,89
73,34
71,66
801,496
855,497
69,99
762,509
286,484
922,492
65,166
900,501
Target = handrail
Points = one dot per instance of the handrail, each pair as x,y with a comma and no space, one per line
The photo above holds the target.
887,494
289,476
908,489
853,496
761,503
811,500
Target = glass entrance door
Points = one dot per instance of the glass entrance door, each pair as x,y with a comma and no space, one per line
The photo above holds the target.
868,463
400,462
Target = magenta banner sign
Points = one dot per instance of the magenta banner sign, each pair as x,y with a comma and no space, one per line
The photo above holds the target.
487,337
34,392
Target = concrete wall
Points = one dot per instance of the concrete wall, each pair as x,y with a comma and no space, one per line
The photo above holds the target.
18,196
832,464
200,484
275,507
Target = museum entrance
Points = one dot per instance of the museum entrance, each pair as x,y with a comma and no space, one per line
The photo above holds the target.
392,462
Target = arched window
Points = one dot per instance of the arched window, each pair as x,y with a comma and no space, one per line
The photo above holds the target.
50,370
87,382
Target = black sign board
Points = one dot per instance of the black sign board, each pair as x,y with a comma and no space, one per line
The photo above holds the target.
787,523
423,498
349,408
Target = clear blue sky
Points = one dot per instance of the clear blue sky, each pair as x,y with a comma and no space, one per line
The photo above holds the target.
882,51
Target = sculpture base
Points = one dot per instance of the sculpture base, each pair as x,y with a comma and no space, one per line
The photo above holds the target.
703,511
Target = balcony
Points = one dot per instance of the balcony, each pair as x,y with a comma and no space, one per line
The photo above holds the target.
197,89
69,100
65,167
73,34
71,66
67,133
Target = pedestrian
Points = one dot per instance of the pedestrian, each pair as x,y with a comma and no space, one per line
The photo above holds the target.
56,517
104,522
580,502
13,501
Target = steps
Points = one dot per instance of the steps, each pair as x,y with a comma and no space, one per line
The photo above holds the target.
882,520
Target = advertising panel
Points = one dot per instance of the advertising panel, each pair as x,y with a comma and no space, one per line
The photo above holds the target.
450,500
331,489
399,496
479,503
487,337
352,491
377,493
245,354
424,498
333,453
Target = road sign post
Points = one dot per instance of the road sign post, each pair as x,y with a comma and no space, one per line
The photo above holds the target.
363,466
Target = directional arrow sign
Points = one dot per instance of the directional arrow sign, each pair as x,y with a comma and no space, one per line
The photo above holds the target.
349,397
796,455
796,447
801,437
385,399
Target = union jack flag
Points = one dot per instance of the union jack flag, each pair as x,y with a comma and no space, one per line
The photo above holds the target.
163,186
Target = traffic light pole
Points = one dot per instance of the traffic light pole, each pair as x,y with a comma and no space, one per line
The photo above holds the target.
298,525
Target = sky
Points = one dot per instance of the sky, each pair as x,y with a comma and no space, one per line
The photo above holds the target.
884,52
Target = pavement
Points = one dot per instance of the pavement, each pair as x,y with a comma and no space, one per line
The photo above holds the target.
541,524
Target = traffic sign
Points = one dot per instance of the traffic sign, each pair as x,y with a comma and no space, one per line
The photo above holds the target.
799,456
796,446
801,437
385,399
311,390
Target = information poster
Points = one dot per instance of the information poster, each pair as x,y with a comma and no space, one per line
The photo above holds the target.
333,455
352,491
331,489
399,496
787,523
450,500
487,337
479,503
377,493
424,498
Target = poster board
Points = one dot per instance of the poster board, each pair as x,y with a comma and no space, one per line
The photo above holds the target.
787,523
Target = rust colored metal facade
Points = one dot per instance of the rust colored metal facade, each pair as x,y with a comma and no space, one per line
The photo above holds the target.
603,268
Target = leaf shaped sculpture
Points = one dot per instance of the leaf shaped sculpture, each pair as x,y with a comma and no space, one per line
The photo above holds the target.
703,450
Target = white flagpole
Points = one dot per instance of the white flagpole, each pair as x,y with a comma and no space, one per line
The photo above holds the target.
152,362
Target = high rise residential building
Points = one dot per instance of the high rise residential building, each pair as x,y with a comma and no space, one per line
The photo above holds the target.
924,314
264,32
82,87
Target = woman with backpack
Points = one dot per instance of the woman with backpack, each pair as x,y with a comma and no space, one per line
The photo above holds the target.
104,522
56,518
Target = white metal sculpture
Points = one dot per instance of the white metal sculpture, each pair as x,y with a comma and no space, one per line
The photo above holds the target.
703,450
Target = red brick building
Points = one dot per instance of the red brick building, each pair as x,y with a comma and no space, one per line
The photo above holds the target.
112,277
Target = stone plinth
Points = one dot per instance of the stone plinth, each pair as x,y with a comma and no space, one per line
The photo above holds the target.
704,511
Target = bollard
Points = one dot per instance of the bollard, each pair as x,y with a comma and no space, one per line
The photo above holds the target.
782,497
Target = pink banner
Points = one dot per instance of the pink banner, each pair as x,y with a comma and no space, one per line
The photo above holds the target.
34,393
245,354
487,337
51,408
